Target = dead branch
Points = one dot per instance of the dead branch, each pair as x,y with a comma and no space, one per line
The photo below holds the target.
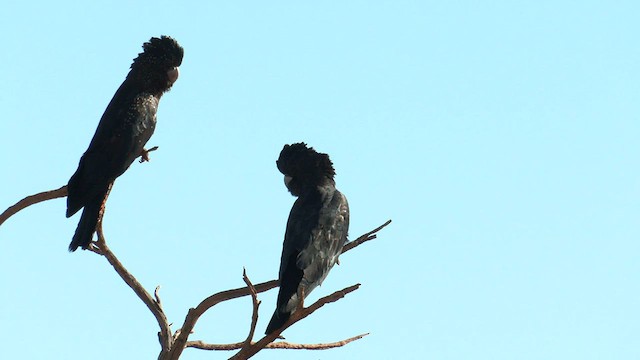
152,304
300,314
31,200
156,295
256,305
199,344
194,313
321,346
173,345
364,237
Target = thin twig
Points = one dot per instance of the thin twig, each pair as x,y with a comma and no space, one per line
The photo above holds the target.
31,200
256,305
199,344
364,237
321,346
156,295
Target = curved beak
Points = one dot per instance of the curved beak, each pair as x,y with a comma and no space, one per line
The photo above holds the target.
173,75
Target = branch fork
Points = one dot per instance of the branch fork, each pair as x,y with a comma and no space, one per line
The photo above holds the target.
173,344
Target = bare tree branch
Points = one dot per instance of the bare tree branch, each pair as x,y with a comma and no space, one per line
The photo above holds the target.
321,346
364,237
300,314
31,200
199,344
154,306
156,295
194,313
173,345
256,305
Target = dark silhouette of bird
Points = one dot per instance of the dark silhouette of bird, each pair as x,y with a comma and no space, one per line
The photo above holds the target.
316,230
124,129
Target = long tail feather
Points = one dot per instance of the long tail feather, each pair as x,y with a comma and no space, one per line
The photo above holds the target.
87,225
277,320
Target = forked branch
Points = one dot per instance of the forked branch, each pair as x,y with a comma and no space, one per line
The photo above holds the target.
194,313
254,315
298,315
173,344
100,247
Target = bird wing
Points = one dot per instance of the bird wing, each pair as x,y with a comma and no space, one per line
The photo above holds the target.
316,231
303,218
327,240
125,127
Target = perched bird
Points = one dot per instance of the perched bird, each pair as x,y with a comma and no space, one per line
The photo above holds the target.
316,229
124,129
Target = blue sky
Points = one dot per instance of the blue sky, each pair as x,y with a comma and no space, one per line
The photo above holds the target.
500,137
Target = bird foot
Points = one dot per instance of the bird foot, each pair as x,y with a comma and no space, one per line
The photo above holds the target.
94,247
301,296
144,154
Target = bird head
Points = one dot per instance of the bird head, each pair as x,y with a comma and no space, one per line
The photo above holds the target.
304,169
156,67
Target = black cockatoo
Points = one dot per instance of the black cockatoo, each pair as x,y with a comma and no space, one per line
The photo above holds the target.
316,230
124,129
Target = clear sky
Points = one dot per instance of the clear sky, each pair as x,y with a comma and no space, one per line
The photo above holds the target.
501,138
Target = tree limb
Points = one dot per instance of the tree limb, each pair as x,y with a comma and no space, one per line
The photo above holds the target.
194,313
254,315
31,200
199,344
173,345
100,247
364,237
298,315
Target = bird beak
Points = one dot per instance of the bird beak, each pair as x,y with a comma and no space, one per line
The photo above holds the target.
173,75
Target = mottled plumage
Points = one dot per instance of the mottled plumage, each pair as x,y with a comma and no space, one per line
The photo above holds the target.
316,230
125,127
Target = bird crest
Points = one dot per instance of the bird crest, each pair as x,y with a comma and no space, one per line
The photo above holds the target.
163,52
306,165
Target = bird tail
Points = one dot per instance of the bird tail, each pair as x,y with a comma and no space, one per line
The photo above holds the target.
87,225
277,320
